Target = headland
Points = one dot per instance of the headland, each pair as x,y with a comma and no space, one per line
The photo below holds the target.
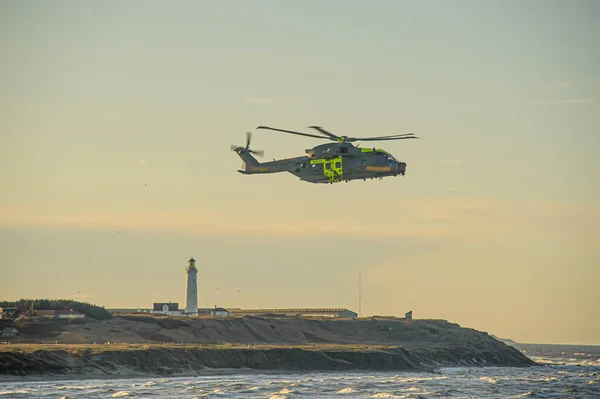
151,345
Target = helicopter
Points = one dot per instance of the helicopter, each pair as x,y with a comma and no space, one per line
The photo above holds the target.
330,162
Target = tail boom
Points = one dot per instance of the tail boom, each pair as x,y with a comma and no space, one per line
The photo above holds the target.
252,166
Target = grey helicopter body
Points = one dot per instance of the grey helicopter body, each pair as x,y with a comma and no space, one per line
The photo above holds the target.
328,163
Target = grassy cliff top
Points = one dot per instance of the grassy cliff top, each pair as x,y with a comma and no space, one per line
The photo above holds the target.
150,329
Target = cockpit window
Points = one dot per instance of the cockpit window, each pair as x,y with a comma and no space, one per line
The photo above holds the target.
381,158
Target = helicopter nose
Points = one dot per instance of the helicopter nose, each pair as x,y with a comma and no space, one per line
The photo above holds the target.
401,168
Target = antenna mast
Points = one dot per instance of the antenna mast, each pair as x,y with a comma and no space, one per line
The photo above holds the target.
359,295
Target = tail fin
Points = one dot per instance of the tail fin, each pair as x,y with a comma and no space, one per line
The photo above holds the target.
248,162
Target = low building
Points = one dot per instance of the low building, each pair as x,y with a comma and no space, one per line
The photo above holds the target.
221,312
58,314
68,314
136,310
10,332
315,312
166,308
43,313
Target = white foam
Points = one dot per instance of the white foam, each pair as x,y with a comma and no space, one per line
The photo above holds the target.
489,379
16,392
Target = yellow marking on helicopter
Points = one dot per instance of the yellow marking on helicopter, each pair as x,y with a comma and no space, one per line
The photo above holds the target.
258,169
370,150
378,168
332,167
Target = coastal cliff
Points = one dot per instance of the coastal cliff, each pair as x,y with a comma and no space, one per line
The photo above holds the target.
135,360
142,345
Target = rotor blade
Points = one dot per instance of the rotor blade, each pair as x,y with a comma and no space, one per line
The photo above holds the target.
325,132
393,135
260,153
248,137
387,138
233,147
292,132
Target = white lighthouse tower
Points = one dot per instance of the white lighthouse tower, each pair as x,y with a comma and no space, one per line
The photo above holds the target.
191,299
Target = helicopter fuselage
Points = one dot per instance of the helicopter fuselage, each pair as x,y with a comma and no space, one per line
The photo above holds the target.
330,163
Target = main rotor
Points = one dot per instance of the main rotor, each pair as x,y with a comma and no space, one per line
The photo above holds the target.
342,139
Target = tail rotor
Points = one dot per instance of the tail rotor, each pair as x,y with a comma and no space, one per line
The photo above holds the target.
246,149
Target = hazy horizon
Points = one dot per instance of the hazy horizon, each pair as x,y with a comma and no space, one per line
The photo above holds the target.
119,117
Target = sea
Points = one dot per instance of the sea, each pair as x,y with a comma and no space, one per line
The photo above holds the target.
564,371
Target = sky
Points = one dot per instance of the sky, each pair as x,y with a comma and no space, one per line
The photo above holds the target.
116,121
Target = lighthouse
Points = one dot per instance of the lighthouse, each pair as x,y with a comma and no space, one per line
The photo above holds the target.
191,300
